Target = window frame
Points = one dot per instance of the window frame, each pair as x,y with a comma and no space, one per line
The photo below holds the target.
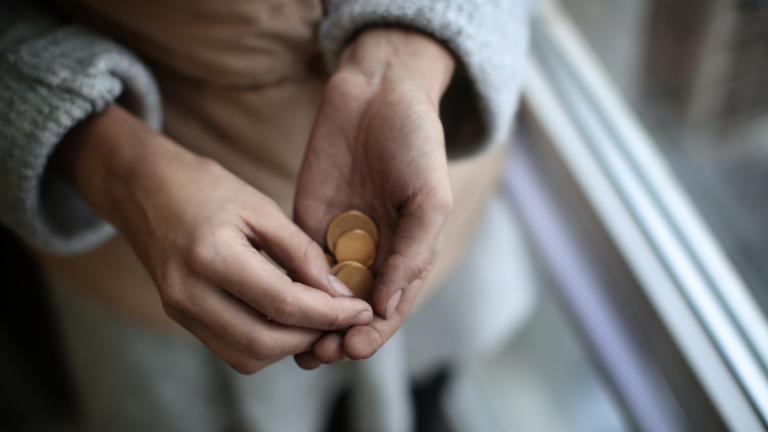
683,271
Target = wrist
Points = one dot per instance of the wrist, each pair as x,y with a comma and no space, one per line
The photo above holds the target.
399,57
105,157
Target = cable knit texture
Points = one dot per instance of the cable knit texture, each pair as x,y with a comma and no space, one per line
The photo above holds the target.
53,76
488,37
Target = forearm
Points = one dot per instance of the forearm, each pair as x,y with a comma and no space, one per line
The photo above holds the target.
54,76
109,156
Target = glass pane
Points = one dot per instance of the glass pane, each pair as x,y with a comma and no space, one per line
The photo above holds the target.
696,72
543,380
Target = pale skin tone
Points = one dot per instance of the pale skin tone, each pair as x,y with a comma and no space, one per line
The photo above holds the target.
377,146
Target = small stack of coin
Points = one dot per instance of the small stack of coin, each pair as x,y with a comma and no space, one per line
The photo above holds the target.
352,239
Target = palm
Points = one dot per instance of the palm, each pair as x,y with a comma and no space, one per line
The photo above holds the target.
370,153
380,152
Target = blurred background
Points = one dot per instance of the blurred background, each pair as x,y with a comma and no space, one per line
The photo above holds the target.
639,177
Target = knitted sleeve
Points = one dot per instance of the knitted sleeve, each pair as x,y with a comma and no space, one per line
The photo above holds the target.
53,75
489,39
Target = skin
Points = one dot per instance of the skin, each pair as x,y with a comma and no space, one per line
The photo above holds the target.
377,146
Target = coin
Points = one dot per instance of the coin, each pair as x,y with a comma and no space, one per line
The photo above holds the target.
356,245
356,277
347,222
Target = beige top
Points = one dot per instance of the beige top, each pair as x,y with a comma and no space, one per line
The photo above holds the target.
241,82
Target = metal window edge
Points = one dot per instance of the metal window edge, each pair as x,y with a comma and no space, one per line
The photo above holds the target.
652,168
665,278
648,403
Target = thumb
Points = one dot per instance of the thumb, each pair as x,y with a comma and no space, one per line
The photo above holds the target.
293,250
414,249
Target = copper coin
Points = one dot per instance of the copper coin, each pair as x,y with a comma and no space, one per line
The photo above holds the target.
347,222
356,245
356,277
331,260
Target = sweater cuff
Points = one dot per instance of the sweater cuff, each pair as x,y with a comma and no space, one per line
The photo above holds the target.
49,85
489,39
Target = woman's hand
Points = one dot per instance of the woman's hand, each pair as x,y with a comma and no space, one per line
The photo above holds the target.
377,146
197,228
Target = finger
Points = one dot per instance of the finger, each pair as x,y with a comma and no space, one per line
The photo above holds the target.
236,359
329,348
363,341
243,328
292,248
307,360
243,272
414,251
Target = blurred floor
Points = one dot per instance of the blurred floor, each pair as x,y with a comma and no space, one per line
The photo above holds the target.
542,381
35,392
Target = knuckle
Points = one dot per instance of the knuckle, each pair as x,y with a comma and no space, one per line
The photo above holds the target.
418,265
422,268
168,277
175,300
443,202
313,252
423,265
363,348
286,309
313,256
339,320
207,164
254,349
200,256
268,206
436,203
174,313
259,348
245,366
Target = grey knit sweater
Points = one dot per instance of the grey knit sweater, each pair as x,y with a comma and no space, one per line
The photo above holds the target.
53,75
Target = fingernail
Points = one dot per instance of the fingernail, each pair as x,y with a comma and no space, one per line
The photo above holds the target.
362,318
344,359
392,303
339,286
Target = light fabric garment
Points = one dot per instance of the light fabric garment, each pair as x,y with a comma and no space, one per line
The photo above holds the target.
136,379
241,85
240,82
55,74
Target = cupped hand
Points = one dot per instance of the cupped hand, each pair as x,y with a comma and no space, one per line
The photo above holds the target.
378,146
198,228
